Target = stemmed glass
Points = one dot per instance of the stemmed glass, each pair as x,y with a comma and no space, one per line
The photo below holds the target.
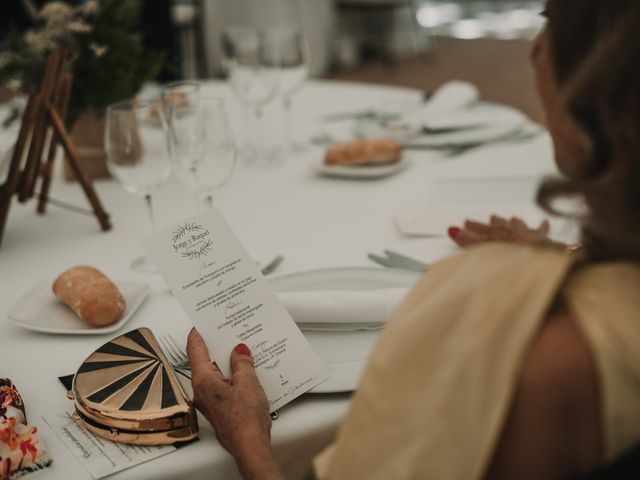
201,147
180,95
290,51
253,77
137,155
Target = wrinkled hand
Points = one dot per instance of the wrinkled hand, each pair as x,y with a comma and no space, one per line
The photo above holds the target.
501,229
236,407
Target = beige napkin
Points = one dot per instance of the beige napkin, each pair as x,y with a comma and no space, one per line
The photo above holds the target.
342,310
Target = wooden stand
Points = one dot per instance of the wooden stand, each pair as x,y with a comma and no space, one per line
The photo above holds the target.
41,132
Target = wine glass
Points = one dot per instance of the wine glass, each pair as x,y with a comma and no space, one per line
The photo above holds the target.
253,77
290,51
137,155
201,147
180,95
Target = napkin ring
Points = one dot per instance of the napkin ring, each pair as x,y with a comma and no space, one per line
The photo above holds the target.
127,391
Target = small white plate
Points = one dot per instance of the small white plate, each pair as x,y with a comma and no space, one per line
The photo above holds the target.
507,121
362,171
343,353
38,309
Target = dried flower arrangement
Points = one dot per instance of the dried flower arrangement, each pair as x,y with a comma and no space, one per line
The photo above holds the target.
109,60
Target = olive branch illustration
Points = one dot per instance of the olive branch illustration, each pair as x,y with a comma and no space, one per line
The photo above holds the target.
184,229
195,253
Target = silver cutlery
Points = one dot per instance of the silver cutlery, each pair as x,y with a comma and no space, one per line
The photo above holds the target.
176,355
272,265
410,262
397,260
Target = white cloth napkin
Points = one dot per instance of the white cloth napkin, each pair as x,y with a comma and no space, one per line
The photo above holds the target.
453,96
342,310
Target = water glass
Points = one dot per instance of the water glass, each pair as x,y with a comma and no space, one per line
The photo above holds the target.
253,76
137,155
288,48
201,147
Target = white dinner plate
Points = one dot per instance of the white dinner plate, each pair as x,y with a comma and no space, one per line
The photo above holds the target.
38,309
344,354
361,171
507,121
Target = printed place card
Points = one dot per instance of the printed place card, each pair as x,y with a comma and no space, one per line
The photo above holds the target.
228,300
99,456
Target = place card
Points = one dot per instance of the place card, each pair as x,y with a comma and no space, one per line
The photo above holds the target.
100,457
228,300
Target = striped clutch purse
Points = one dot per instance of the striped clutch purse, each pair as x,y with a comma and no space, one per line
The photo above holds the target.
127,391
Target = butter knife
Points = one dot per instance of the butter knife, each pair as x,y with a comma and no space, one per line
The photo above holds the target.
394,263
408,262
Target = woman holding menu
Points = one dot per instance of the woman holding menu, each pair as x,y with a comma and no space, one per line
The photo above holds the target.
508,360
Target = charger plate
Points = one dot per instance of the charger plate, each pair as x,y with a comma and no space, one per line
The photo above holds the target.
344,354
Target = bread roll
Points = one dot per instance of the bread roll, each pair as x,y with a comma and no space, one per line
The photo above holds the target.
91,295
364,152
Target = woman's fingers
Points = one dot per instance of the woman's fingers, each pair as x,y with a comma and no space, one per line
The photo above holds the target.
199,357
499,228
544,227
466,237
477,227
497,221
196,349
518,224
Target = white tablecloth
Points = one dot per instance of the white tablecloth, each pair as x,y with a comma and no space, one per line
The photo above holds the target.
314,221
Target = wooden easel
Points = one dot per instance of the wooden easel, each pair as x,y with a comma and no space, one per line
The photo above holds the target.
41,132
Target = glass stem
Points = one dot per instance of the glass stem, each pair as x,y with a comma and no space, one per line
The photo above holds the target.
147,199
208,200
258,146
288,125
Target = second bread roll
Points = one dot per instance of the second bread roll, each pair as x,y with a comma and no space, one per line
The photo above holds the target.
369,151
90,294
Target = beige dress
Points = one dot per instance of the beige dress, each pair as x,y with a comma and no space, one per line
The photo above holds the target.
434,397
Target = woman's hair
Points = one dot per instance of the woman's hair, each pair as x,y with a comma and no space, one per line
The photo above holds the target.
595,45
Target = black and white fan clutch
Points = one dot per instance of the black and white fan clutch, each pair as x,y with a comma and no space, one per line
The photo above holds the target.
127,391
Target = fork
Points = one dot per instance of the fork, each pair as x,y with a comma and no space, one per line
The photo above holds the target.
180,360
177,355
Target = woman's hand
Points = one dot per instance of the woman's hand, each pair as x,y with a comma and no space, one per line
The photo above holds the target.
501,229
235,406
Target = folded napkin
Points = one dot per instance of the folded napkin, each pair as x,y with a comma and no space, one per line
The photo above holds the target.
453,96
21,450
342,310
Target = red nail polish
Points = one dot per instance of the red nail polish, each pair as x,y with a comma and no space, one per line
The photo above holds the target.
242,349
453,232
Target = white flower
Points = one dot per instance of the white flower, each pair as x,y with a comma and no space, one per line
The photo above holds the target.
56,12
90,7
14,85
5,59
39,41
79,26
98,50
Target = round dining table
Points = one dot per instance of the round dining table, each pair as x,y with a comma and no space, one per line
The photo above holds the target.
285,205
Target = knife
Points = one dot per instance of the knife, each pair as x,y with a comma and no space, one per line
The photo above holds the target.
414,266
384,261
408,262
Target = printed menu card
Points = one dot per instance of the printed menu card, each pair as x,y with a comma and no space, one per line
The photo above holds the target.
228,300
